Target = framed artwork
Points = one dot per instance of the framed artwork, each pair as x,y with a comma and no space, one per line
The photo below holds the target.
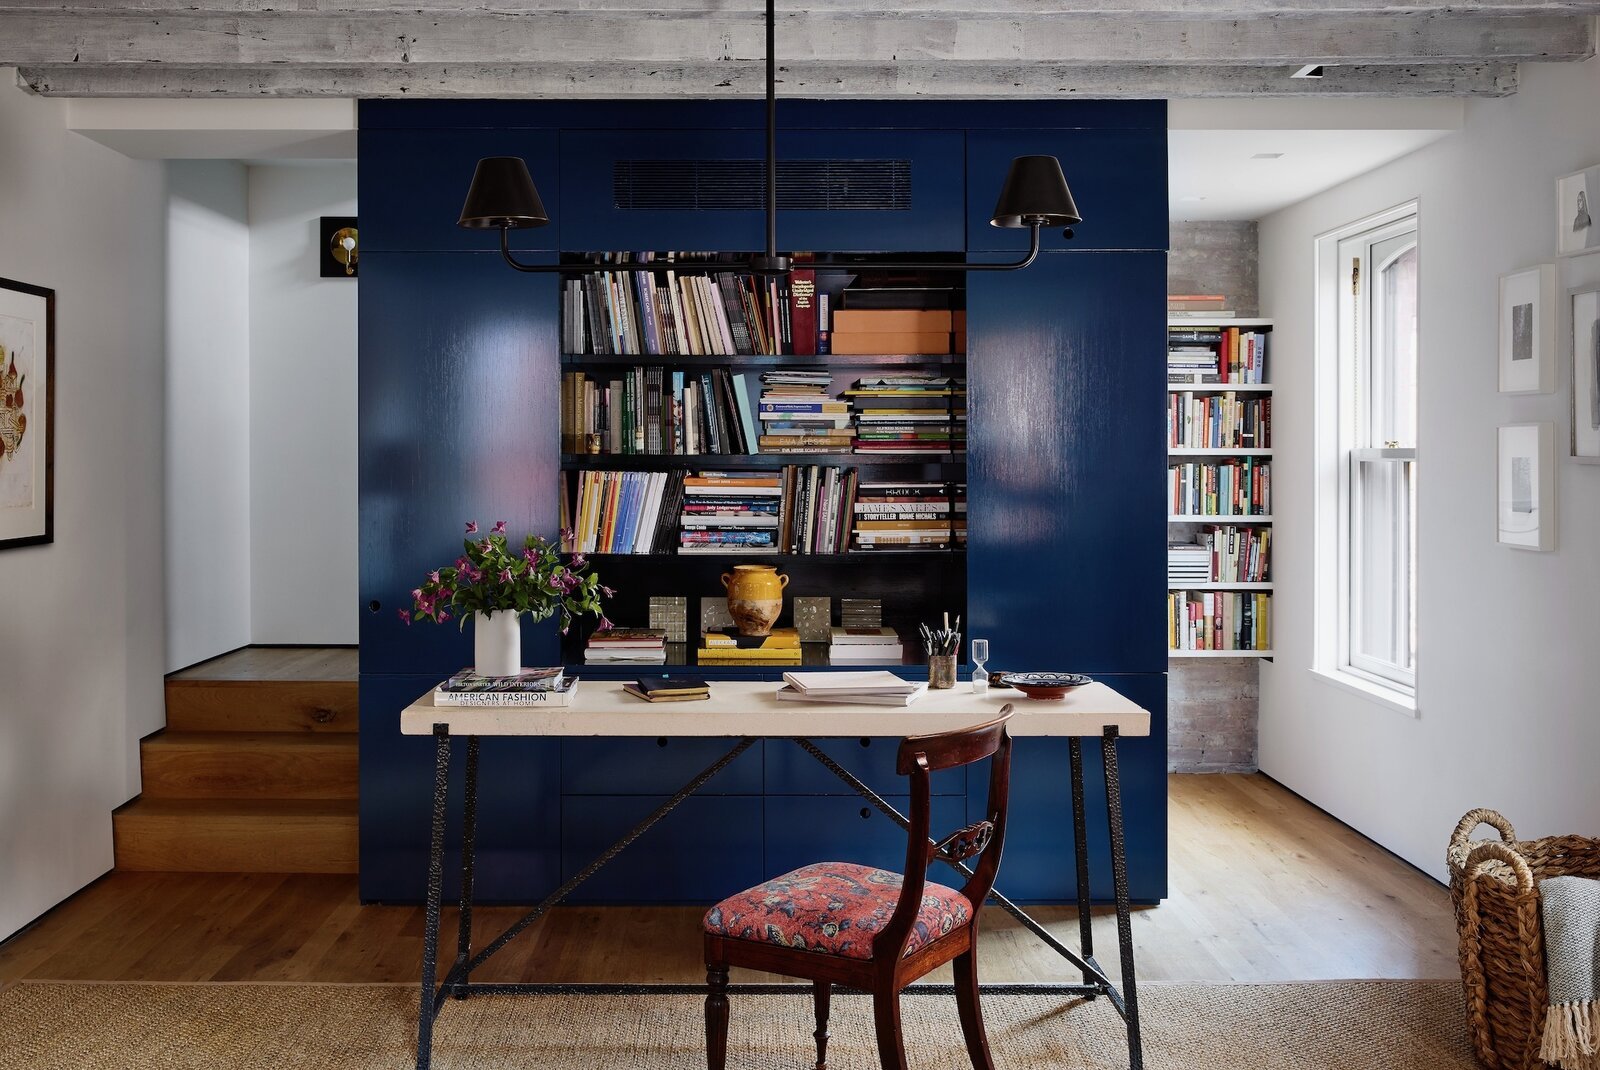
1585,442
1526,486
1528,331
340,257
27,413
1577,215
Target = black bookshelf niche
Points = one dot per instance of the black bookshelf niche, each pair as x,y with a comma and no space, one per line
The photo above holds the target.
666,378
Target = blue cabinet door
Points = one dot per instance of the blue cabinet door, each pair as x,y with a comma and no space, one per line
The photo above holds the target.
793,771
706,849
519,806
595,766
412,184
1038,865
1118,178
1066,463
806,829
459,420
595,218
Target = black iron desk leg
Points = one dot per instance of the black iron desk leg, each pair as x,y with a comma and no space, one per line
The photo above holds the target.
1119,876
1080,850
469,852
430,938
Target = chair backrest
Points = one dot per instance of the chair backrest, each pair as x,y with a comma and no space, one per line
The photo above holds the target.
919,757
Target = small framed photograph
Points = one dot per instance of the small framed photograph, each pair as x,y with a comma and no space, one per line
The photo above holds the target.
1528,331
1526,486
1576,212
27,413
1585,443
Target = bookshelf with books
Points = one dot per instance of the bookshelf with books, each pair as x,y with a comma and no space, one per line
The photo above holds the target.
1219,483
815,422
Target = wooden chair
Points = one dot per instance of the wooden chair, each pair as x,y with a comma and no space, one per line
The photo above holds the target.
839,923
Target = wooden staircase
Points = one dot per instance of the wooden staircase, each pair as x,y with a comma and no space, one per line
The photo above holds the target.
249,776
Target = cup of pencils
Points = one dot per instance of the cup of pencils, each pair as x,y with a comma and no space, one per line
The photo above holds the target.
941,645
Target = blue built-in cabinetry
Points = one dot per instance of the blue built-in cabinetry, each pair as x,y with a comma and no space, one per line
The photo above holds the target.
459,393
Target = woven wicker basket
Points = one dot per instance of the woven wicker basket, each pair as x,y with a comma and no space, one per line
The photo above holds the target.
1494,886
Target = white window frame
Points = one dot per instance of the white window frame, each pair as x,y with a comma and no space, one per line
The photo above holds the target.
1338,453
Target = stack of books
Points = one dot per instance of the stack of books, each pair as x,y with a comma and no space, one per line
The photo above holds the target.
798,415
530,687
910,414
653,411
880,646
855,688
644,646
731,512
728,647
861,612
906,516
620,512
1188,562
1198,306
1202,354
891,331
1225,488
1219,620
668,689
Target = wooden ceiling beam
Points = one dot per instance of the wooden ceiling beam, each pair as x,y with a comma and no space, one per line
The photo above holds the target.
41,40
745,79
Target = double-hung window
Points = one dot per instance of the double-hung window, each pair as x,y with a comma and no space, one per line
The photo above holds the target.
1368,279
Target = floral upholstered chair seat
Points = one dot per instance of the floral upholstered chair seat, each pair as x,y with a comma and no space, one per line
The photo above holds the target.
834,908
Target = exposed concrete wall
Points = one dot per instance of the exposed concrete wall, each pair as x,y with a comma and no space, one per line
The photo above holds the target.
1212,704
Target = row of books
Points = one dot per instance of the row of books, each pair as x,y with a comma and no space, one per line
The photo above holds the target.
799,415
1240,487
648,410
909,414
620,512
910,515
1218,421
1233,553
1203,354
1219,620
669,313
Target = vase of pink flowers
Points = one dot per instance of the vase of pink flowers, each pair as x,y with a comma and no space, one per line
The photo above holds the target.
496,585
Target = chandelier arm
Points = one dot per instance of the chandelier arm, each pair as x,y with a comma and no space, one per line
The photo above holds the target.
914,265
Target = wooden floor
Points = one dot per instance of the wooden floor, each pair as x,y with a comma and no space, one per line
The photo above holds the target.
277,663
1264,888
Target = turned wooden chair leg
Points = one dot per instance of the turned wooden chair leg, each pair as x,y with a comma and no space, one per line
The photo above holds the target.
886,1018
971,1011
716,1017
821,997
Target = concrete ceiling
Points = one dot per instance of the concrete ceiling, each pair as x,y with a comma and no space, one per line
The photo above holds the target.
831,48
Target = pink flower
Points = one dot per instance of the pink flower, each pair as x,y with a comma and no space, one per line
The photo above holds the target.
567,534
605,625
488,547
531,557
579,560
416,593
443,617
505,576
462,564
433,577
608,591
406,617
472,527
499,528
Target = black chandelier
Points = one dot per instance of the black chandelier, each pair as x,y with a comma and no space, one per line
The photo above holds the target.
1035,195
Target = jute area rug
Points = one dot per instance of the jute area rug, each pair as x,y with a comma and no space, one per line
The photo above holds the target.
1344,1025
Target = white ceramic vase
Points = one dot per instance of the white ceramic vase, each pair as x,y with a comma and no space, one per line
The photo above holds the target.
497,643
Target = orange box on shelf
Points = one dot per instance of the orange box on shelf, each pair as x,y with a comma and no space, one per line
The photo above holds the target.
857,343
895,320
958,329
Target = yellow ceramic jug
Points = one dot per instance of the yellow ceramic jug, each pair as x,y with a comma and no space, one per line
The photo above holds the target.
755,597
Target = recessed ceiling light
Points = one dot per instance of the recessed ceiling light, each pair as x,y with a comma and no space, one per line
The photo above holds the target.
1267,156
1310,70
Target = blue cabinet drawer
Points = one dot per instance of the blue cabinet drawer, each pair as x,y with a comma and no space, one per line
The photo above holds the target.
929,215
805,829
412,184
706,849
792,771
655,766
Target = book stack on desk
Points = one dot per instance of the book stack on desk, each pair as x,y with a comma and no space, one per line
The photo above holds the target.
872,645
530,687
668,689
645,646
728,647
856,688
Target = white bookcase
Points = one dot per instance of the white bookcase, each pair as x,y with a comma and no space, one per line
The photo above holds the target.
1182,526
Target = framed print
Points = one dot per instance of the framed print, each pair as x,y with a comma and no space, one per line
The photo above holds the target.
1526,486
1528,331
1585,442
1577,215
27,413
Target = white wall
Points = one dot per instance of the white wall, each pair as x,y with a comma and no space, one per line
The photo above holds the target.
1509,641
208,411
81,628
302,411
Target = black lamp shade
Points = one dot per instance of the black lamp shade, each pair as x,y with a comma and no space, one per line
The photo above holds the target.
1035,192
503,196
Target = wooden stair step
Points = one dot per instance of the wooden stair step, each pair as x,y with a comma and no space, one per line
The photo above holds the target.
244,765
236,836
262,705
